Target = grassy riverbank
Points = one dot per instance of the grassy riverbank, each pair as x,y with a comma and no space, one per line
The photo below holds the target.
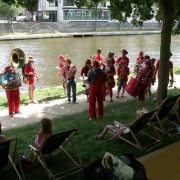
88,147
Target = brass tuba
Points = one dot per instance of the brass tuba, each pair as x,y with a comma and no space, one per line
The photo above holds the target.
17,58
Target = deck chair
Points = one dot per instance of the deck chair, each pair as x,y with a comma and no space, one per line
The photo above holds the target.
160,118
5,156
53,143
135,128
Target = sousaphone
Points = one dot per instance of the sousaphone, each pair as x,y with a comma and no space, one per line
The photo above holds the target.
17,61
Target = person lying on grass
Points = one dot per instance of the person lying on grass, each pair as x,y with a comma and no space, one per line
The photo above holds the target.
46,130
116,128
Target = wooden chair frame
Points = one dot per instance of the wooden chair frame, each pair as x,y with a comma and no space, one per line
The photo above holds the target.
160,118
38,153
12,158
144,119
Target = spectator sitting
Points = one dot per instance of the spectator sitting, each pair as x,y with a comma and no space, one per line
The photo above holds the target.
117,128
46,130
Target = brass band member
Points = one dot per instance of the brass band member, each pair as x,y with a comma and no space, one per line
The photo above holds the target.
99,57
144,77
96,78
84,72
31,72
111,57
13,96
123,72
62,63
110,71
123,57
139,62
69,73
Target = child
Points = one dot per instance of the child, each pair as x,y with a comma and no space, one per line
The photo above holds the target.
2,137
46,130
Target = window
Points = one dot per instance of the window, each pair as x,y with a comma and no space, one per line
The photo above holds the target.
68,3
53,4
50,16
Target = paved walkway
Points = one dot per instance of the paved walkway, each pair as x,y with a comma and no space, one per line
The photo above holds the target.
56,108
51,109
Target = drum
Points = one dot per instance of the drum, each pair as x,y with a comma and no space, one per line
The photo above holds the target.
133,87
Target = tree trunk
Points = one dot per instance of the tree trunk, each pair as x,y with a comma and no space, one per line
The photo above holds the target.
168,10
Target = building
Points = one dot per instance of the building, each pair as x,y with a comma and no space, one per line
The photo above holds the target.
66,10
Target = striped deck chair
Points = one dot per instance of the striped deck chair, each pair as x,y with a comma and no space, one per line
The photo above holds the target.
160,118
135,128
50,145
5,156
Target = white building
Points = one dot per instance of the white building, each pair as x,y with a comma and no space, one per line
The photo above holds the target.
63,10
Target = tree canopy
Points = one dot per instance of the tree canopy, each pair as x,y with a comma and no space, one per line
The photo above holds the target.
140,10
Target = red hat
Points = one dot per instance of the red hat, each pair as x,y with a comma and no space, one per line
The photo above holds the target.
88,61
31,58
61,57
7,68
153,60
141,52
96,64
124,51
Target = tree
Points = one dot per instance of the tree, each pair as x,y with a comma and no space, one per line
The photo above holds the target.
9,11
141,10
89,4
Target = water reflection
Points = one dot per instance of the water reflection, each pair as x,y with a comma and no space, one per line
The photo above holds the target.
47,51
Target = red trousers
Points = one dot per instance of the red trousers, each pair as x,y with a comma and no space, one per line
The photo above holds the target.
142,92
96,94
13,98
110,86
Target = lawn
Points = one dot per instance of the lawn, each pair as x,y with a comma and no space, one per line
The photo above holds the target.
88,147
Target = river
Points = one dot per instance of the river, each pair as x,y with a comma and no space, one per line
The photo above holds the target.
47,51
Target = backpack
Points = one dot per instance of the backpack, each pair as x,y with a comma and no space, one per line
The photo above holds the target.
25,77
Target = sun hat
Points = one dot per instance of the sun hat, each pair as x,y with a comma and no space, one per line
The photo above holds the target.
88,61
141,52
61,57
124,51
7,68
31,58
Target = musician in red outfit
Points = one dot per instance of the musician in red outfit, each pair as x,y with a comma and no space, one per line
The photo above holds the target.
62,63
110,71
96,78
13,96
30,71
123,57
140,59
99,57
84,72
111,57
123,72
144,77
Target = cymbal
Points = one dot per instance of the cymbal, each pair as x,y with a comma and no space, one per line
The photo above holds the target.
83,78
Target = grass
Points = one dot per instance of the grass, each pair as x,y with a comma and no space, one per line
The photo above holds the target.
41,95
89,149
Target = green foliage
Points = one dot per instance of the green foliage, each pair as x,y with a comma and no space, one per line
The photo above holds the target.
8,11
90,4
